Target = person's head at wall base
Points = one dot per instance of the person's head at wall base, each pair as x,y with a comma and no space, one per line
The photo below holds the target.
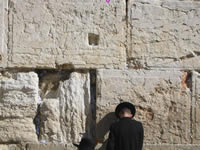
125,109
85,144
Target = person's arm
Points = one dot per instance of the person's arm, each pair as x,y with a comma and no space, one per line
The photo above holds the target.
111,140
141,138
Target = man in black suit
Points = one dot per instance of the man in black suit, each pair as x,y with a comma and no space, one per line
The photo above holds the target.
127,133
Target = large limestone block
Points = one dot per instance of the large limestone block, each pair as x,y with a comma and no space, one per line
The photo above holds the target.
11,147
67,113
164,33
70,33
161,97
19,94
17,130
18,106
196,107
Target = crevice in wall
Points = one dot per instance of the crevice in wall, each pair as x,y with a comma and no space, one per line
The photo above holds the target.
10,27
1,58
67,66
190,84
9,42
187,83
37,121
93,103
127,1
187,80
127,31
187,56
10,143
93,39
49,81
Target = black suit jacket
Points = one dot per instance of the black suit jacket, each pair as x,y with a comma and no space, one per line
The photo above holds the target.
126,134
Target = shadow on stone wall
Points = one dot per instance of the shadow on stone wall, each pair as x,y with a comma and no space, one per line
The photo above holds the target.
103,127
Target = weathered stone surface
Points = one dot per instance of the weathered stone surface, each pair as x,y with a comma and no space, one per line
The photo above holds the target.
196,107
17,130
18,105
67,113
164,33
86,34
3,23
80,34
11,147
46,147
19,94
171,147
161,98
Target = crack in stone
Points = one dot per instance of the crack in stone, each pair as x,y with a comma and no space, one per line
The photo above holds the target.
10,27
93,79
191,55
187,80
37,121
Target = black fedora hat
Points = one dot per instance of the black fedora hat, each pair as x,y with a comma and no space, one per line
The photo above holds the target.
125,105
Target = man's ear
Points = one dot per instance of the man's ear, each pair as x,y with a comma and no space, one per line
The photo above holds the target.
131,115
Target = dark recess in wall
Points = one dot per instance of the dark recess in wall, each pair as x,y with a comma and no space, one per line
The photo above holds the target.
93,103
93,39
49,80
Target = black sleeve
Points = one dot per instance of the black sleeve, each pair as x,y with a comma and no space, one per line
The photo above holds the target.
141,137
111,140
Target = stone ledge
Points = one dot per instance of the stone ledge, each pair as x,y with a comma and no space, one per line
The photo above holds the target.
46,147
146,147
172,147
51,146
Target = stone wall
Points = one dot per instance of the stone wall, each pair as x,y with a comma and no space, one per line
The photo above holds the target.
66,64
